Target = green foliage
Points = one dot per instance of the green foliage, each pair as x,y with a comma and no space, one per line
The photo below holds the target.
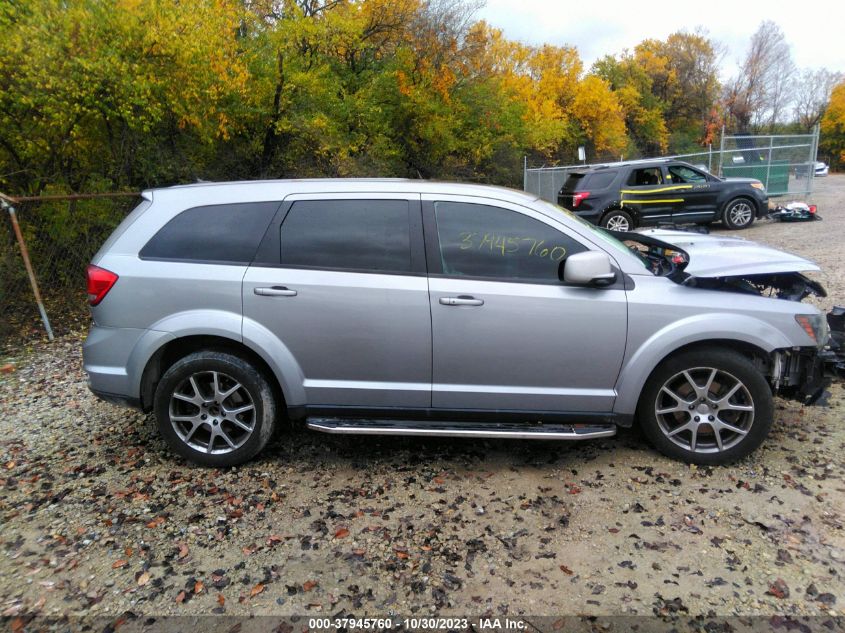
138,93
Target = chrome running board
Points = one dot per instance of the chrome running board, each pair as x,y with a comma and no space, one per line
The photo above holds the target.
528,431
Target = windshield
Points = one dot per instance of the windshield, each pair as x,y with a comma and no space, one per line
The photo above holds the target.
599,234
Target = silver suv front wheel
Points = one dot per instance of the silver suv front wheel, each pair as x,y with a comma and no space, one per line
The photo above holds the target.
706,407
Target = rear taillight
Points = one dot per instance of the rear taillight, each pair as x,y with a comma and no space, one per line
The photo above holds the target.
578,197
812,208
100,281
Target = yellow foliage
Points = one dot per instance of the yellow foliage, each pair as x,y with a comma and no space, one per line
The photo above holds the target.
598,110
833,123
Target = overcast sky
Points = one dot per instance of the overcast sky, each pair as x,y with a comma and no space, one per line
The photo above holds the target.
815,30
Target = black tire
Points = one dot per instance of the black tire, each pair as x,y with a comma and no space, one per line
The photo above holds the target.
739,214
617,218
255,391
731,446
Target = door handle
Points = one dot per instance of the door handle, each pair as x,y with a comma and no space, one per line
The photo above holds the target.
275,291
461,300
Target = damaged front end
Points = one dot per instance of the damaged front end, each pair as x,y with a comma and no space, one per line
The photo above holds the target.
803,373
732,264
834,353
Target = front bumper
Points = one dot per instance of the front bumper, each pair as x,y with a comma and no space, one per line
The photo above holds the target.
834,355
799,375
803,374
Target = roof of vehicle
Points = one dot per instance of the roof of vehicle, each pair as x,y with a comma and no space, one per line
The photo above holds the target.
645,162
276,189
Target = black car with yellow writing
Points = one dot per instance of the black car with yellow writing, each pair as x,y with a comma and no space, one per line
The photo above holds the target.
622,196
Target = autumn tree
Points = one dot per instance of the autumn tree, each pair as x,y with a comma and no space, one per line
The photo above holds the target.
812,94
96,94
643,110
833,125
684,75
762,91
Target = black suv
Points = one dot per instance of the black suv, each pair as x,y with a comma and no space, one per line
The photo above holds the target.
621,196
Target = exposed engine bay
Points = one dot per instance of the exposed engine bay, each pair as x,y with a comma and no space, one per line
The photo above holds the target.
699,260
668,258
789,286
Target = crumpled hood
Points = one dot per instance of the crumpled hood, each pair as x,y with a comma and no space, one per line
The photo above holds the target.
721,256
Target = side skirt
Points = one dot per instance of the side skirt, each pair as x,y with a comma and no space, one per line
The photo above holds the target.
461,429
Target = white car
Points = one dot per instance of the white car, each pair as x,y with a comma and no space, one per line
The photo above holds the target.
820,169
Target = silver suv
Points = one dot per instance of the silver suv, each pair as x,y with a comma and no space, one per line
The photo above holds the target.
423,308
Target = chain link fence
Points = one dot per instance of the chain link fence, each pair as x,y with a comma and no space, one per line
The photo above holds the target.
785,164
61,235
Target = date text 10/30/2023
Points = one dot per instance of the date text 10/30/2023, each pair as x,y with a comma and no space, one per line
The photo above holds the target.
417,624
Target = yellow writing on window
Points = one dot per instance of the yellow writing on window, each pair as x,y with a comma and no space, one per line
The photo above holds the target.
510,245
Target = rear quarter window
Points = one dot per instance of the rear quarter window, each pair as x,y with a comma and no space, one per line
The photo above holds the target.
214,234
600,180
128,221
573,182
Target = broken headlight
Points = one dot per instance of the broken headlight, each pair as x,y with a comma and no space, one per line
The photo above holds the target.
815,326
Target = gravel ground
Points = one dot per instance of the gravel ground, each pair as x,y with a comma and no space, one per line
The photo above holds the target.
97,518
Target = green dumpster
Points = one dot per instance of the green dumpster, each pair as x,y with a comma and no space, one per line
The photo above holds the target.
774,175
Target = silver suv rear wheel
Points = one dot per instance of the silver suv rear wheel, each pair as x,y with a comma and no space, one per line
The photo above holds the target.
215,408
212,412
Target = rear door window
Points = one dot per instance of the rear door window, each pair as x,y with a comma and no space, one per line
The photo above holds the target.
354,235
645,177
214,234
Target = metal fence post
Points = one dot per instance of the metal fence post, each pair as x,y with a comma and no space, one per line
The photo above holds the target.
814,156
769,162
525,173
721,151
28,265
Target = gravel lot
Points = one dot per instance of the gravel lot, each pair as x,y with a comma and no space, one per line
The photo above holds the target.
97,518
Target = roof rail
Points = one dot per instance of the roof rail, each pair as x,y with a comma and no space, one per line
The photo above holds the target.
630,162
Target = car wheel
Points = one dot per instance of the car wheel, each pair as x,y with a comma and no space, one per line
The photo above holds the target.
706,407
739,214
215,409
617,220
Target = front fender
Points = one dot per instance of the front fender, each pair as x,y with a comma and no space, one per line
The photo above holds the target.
642,359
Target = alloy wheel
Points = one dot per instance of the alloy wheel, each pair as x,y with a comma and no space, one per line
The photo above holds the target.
618,223
212,412
704,410
740,213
